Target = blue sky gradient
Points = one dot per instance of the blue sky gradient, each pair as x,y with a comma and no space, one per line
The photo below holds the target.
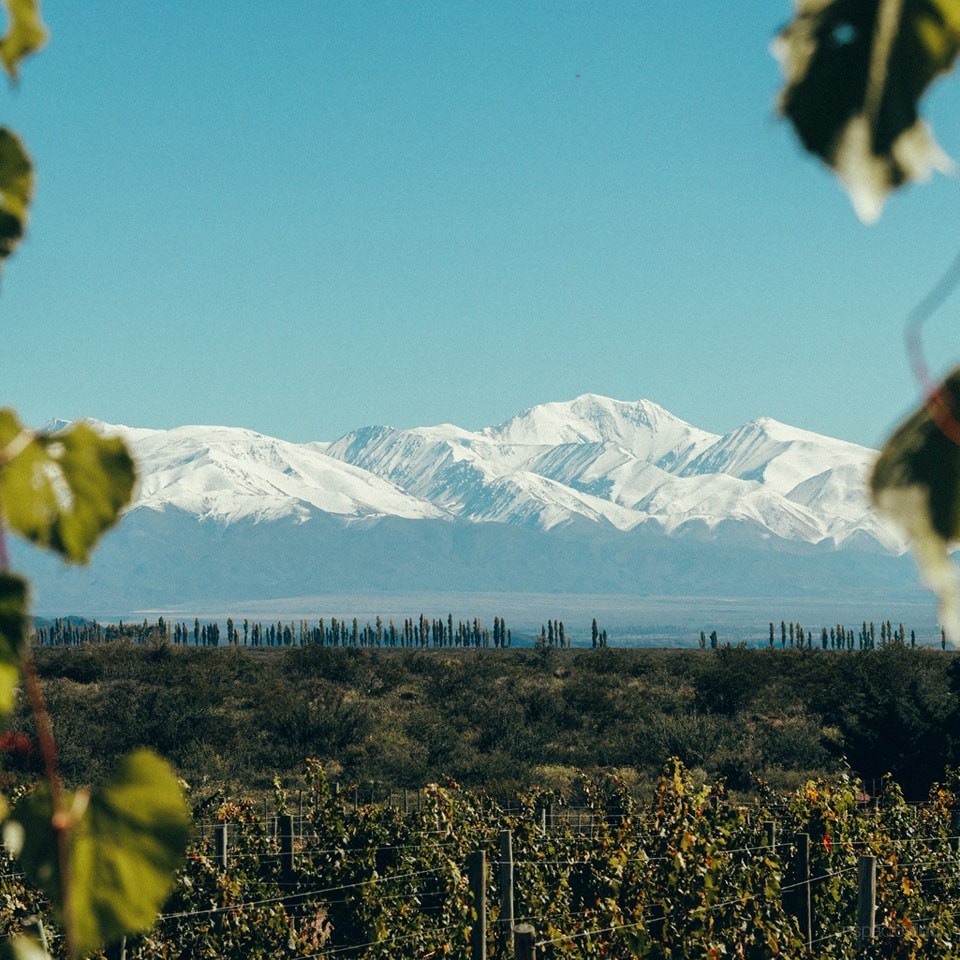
304,217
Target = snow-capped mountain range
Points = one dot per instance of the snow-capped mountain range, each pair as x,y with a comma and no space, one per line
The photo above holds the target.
634,495
593,458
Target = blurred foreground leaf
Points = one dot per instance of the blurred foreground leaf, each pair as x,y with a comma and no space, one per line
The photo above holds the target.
16,191
62,490
13,630
22,948
855,71
916,482
25,33
124,849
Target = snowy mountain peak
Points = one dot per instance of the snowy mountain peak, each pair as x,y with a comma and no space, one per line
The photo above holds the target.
776,454
55,424
230,473
645,429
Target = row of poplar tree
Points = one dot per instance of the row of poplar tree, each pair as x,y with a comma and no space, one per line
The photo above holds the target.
554,634
412,632
839,637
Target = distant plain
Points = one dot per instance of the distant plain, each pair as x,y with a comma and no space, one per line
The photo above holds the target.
629,620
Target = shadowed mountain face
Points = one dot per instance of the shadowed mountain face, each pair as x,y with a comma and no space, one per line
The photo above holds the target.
591,495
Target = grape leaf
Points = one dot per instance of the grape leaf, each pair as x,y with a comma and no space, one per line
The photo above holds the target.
62,490
855,71
124,848
25,33
16,190
916,483
13,630
22,948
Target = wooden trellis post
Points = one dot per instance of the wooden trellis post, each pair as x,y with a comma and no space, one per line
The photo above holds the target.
477,870
506,886
524,942
797,900
220,845
866,899
286,847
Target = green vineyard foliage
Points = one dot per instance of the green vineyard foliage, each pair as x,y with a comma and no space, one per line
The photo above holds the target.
686,874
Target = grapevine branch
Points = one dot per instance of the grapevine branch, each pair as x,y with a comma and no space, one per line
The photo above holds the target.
61,819
936,400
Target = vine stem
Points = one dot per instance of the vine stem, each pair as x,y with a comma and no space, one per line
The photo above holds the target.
4,553
936,396
61,820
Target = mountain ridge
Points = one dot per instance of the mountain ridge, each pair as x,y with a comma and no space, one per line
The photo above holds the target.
631,497
619,462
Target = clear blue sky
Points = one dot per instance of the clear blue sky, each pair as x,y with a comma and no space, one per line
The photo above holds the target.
304,217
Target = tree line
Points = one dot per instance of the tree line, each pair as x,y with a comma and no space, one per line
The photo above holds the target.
839,637
411,632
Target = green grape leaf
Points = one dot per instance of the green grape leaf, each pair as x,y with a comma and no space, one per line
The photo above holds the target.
22,948
13,632
25,33
916,483
16,191
124,848
855,71
62,490
129,844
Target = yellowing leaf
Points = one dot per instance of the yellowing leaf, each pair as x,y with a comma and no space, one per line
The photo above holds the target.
25,33
124,849
16,191
916,482
13,628
62,490
855,71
